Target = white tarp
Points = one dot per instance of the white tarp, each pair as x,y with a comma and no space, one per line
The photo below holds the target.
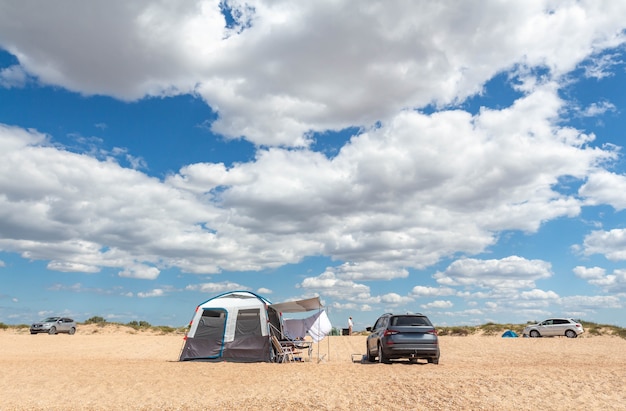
317,326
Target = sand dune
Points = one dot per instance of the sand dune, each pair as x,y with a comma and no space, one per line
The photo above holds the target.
114,369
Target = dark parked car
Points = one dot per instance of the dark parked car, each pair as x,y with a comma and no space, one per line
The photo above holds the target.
410,336
53,325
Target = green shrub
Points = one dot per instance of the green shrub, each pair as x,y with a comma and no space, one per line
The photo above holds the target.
164,329
137,325
593,331
96,320
491,328
495,329
457,331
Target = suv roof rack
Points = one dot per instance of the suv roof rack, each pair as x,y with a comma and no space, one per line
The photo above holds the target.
407,313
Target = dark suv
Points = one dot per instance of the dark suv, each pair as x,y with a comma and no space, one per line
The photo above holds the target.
410,336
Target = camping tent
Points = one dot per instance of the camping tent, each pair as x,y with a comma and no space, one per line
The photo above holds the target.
230,326
236,326
509,334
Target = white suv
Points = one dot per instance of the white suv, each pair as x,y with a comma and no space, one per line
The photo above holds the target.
54,325
554,327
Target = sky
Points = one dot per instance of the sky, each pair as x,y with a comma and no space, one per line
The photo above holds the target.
460,159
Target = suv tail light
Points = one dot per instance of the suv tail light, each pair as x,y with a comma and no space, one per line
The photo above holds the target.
433,331
387,333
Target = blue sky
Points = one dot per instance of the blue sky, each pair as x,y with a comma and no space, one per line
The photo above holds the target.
465,161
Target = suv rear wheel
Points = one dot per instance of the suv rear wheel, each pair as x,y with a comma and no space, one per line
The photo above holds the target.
370,357
570,334
381,356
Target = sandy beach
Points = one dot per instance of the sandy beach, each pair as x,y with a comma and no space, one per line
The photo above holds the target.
117,368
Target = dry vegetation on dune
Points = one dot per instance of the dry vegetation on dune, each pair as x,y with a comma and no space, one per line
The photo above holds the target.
591,329
490,329
98,324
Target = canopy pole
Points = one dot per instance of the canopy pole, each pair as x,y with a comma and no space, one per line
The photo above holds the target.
329,335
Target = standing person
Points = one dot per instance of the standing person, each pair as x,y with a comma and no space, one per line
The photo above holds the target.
350,326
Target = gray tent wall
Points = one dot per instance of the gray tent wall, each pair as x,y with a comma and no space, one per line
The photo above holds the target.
231,327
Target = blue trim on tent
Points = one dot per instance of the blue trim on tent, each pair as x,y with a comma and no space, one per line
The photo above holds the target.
265,300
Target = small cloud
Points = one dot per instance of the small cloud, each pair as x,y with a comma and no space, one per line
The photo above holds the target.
134,162
205,125
601,67
437,304
343,307
597,109
157,292
421,291
71,267
589,273
537,294
215,287
333,286
395,299
13,76
140,271
591,302
79,288
264,291
508,273
367,271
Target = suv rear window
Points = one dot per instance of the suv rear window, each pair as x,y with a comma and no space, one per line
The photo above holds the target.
409,320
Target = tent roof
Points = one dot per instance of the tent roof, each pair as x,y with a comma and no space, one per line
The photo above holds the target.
235,299
299,306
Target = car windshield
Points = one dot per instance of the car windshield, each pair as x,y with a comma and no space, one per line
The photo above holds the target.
50,319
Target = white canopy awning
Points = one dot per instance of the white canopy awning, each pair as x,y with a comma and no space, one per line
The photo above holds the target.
299,306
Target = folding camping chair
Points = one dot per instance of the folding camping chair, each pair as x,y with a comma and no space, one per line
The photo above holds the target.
283,354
